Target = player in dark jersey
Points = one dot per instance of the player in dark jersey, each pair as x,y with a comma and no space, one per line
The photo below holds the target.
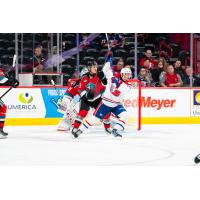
4,81
91,88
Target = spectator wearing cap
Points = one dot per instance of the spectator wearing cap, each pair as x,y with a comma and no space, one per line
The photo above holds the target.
170,78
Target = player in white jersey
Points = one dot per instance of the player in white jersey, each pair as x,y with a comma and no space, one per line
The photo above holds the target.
116,89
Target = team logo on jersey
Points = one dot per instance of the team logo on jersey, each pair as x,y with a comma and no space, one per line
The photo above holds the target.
196,97
25,98
90,86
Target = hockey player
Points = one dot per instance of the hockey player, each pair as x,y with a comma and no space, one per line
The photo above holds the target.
3,108
116,90
67,105
91,88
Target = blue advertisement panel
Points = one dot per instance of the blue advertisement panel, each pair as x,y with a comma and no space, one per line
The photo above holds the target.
51,97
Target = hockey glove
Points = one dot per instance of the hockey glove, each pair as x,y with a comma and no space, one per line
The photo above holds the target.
89,95
102,77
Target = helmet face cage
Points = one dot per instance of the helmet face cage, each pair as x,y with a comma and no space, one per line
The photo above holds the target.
126,73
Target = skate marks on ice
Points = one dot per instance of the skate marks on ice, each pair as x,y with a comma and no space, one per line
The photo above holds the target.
154,145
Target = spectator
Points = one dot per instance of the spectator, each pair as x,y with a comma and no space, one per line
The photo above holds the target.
170,78
186,78
148,55
156,72
144,77
115,40
163,61
118,67
146,65
88,44
37,61
178,68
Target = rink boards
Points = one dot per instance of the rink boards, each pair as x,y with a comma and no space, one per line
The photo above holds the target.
38,106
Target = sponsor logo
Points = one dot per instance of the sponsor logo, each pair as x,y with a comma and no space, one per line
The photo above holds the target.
25,98
196,97
148,102
196,103
25,105
56,92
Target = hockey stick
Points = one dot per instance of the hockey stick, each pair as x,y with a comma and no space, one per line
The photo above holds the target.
16,83
53,84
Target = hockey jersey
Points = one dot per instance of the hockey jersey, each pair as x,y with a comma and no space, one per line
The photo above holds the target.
91,83
73,87
116,89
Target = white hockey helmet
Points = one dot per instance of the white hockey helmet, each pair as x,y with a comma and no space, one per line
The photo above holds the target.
126,70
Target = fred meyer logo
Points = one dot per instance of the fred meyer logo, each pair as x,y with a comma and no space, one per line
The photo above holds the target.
148,102
25,104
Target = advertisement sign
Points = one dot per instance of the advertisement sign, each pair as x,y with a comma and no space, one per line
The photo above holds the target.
51,98
195,103
160,102
25,103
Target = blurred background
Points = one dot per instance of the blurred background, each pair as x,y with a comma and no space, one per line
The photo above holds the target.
61,56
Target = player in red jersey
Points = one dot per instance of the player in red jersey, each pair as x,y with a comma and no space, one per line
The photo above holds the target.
91,88
4,81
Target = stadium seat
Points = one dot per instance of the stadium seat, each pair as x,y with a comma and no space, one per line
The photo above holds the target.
8,36
11,50
176,48
86,59
129,45
130,61
115,60
70,61
103,52
44,43
120,53
65,68
69,44
101,60
158,39
4,43
28,52
27,36
129,39
92,52
2,51
69,37
150,46
6,59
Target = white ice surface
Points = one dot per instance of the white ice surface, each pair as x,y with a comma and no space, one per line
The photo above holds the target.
154,145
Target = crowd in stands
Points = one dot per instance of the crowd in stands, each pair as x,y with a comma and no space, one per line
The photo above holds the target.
155,66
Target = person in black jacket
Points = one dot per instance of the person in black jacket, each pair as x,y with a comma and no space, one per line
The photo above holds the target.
186,78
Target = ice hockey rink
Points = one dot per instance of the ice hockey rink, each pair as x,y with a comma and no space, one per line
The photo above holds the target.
154,145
